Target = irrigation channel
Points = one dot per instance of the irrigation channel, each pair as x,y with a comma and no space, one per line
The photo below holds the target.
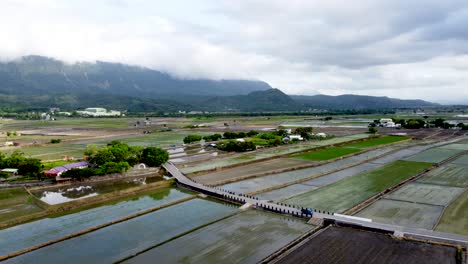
327,217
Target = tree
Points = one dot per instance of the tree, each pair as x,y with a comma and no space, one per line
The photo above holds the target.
304,132
154,157
372,130
55,140
192,138
252,133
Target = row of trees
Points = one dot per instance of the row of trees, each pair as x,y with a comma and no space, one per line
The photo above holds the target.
117,157
237,146
29,167
117,151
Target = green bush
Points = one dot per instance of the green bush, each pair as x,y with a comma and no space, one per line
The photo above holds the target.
55,140
192,138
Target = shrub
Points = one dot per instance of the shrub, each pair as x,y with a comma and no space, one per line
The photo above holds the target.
55,140
192,138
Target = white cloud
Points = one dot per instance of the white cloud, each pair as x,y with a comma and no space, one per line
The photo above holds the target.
407,49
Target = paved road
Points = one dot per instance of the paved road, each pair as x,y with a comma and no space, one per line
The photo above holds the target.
285,209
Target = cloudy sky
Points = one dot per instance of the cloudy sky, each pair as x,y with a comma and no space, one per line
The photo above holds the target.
397,48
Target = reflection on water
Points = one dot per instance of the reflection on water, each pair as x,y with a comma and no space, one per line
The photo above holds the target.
71,193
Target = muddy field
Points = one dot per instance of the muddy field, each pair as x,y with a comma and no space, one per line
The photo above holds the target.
346,245
251,169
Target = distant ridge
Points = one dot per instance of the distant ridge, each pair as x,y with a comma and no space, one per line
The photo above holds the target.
350,101
35,82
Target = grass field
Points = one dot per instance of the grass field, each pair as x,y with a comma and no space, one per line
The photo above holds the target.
455,217
344,194
15,203
327,154
377,141
335,152
449,175
426,193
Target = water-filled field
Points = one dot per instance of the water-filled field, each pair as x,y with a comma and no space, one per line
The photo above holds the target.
40,231
250,169
268,153
455,217
462,161
426,193
264,182
449,175
342,195
124,239
403,213
16,203
247,237
434,155
65,194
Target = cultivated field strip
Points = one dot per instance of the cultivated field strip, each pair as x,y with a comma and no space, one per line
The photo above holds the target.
328,173
40,231
127,238
246,237
437,196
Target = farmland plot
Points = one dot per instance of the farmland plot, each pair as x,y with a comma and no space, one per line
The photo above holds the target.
426,193
16,203
40,231
403,213
344,194
461,161
247,237
127,238
449,175
455,217
434,155
457,146
346,245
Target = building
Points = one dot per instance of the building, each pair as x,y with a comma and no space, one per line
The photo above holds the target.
57,171
298,137
97,111
321,134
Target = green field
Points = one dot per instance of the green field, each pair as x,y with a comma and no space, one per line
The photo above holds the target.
15,203
335,152
53,164
327,154
455,217
344,194
448,175
377,141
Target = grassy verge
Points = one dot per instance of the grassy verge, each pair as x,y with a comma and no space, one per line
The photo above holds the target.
455,217
344,194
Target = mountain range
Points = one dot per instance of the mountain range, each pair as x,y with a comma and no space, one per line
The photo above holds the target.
36,82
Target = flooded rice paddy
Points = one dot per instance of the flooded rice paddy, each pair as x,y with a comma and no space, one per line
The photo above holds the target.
268,181
247,237
40,231
127,238
71,193
208,165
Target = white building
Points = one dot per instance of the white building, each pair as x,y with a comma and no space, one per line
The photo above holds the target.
298,137
97,111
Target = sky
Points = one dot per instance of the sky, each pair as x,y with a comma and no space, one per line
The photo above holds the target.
396,48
